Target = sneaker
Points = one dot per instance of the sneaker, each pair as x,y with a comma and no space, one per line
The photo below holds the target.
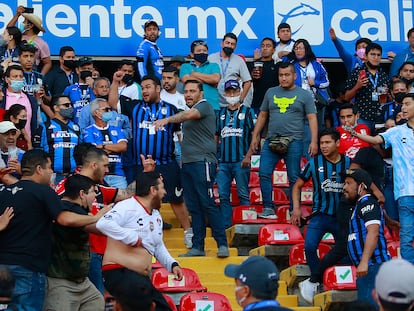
268,213
308,289
166,226
193,253
188,237
223,252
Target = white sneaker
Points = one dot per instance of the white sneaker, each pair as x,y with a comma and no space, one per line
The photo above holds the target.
308,290
188,237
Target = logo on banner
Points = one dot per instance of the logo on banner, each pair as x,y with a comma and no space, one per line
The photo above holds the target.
304,17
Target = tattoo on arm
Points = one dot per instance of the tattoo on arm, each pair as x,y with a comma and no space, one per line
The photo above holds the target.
127,192
178,118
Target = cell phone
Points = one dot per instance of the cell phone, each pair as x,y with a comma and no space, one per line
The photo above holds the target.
362,74
28,10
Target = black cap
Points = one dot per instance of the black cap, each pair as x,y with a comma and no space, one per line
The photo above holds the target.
282,26
149,23
360,176
85,61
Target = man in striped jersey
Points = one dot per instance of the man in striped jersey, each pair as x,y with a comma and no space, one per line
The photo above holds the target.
324,169
235,125
367,246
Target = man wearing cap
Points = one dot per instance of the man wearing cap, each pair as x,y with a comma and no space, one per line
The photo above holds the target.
10,154
367,246
235,124
176,61
81,94
200,69
32,25
256,284
285,44
232,67
394,286
149,56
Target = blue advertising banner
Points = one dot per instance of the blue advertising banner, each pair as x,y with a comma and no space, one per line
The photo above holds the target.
115,27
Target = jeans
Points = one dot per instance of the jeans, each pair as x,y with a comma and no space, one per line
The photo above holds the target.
366,284
30,287
406,211
116,181
197,181
226,173
268,161
95,271
390,204
318,226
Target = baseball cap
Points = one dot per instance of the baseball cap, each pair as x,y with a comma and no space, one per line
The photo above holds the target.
257,272
283,26
6,126
232,84
85,61
394,282
178,59
359,175
149,23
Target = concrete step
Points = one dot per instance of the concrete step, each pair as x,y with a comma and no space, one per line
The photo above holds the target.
211,252
179,233
171,243
221,287
210,264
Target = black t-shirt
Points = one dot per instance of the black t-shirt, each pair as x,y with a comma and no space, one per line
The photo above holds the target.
269,79
27,239
371,161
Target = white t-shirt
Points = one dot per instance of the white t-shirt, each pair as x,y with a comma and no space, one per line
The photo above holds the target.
176,99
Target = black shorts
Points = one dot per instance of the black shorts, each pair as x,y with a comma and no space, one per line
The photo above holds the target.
171,174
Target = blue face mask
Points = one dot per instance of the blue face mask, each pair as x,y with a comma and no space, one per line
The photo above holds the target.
22,27
17,85
108,116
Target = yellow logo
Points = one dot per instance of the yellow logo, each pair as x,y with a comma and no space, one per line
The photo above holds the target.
283,102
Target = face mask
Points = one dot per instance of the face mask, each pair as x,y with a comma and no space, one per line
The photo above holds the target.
67,113
70,63
3,41
232,100
201,57
22,28
228,51
21,124
17,85
128,79
84,74
361,53
108,116
399,96
241,300
372,66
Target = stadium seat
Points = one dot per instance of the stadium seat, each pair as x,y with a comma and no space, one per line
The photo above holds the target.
297,253
283,214
278,234
340,278
234,197
155,263
255,162
393,248
280,178
170,301
255,195
165,282
306,195
204,301
327,237
247,214
279,196
254,180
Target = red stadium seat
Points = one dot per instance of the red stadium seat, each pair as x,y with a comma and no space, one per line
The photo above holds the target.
255,162
327,237
247,214
155,263
297,253
393,248
306,196
234,197
165,282
204,301
279,196
340,278
280,178
254,180
170,301
283,214
279,234
255,195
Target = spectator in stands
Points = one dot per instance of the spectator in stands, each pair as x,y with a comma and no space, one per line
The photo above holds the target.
256,281
149,57
204,71
350,61
285,44
405,55
32,26
81,94
235,124
10,154
58,78
406,73
9,50
367,246
284,107
394,286
59,136
401,139
332,118
134,230
109,138
68,286
363,83
232,67
398,90
177,61
18,115
264,72
327,190
199,167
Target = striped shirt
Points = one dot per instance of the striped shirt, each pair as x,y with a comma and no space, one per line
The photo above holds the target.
234,130
366,212
327,182
146,140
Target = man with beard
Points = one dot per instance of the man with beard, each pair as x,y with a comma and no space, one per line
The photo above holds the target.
232,67
134,231
367,246
149,56
363,84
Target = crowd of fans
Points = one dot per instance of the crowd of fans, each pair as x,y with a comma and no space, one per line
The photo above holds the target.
190,121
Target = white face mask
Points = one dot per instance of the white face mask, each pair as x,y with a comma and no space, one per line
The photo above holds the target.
232,100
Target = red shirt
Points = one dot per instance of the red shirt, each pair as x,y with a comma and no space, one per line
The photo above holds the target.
349,145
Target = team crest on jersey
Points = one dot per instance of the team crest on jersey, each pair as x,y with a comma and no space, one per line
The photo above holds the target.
242,116
222,117
151,226
114,133
76,127
164,110
51,126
